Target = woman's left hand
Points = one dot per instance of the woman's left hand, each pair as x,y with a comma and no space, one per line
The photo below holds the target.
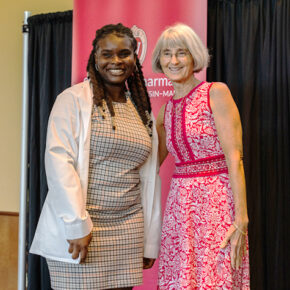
238,245
148,263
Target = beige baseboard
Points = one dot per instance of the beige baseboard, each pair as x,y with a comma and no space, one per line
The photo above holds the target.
9,213
8,250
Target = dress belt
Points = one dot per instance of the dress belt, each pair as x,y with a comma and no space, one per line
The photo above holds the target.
202,167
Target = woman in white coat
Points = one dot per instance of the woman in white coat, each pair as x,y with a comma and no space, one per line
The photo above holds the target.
100,223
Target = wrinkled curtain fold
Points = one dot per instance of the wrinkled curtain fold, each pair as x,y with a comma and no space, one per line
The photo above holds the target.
249,41
49,73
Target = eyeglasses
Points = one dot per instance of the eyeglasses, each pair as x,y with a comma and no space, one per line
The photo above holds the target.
180,54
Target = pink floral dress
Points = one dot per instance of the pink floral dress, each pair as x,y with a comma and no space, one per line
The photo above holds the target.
200,206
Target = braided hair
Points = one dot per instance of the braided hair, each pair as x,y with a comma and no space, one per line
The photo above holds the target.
135,83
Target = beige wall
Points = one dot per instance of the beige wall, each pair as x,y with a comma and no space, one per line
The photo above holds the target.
11,19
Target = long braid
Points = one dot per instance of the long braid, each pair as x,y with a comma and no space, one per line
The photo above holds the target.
141,76
136,83
137,96
140,96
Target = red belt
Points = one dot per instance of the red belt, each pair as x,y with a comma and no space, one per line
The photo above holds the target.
201,167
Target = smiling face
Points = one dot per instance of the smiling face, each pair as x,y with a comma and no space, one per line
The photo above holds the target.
177,64
115,59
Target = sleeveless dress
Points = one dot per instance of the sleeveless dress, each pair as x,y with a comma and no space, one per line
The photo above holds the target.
200,206
115,254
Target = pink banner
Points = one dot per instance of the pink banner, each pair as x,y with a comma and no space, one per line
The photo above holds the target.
147,19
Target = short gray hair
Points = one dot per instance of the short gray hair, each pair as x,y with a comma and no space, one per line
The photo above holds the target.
184,36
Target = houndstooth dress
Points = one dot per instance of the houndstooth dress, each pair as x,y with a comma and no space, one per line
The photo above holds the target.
115,255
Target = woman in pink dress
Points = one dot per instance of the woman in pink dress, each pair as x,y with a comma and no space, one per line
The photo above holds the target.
204,236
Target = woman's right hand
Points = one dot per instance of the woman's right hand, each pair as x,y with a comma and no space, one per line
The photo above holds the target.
237,238
79,247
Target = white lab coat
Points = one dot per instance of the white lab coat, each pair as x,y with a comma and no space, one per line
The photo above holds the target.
64,214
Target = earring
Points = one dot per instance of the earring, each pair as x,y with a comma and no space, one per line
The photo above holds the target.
96,67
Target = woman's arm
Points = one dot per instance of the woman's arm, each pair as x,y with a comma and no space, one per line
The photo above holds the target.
162,149
65,189
229,130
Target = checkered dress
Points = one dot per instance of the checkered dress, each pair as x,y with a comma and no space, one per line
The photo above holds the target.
115,255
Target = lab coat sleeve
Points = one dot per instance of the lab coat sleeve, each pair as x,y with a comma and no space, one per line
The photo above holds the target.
65,191
151,200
